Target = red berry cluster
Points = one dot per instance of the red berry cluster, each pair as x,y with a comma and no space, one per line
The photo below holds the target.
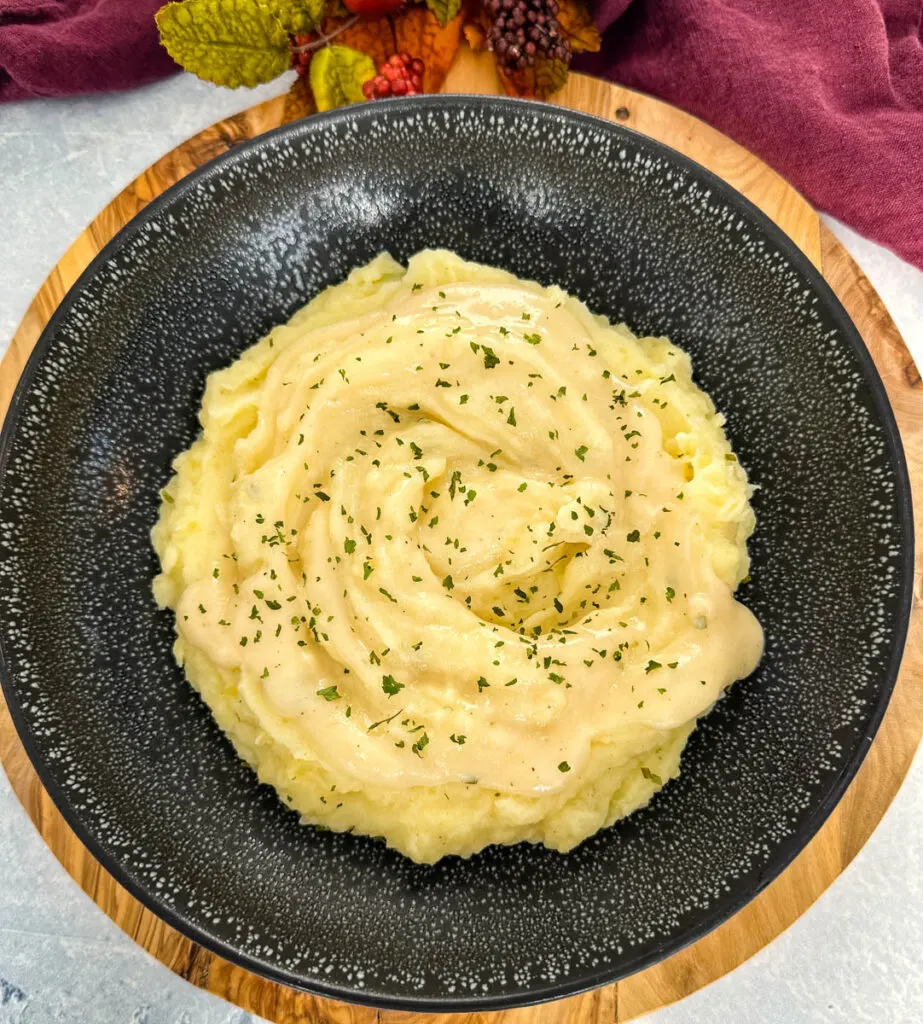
400,75
301,59
520,30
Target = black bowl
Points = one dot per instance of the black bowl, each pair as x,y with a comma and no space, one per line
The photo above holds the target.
132,757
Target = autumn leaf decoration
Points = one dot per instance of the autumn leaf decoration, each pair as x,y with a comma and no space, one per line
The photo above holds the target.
346,51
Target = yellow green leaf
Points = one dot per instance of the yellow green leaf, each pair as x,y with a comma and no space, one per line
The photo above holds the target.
296,16
337,75
445,10
228,42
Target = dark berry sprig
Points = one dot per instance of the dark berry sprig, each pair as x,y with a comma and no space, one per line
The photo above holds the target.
400,75
520,30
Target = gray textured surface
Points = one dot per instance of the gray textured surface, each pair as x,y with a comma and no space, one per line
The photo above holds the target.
855,956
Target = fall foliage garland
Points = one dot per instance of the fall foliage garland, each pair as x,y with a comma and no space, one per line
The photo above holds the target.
346,51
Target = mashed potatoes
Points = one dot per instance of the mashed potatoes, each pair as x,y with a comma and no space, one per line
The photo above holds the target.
453,560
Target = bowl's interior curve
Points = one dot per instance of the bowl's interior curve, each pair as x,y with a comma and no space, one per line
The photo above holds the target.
133,756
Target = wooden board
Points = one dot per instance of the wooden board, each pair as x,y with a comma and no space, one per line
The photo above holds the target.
871,791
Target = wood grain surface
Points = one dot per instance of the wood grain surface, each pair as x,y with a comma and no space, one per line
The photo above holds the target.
872,790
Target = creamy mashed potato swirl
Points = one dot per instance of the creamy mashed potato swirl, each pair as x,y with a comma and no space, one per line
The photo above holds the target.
453,560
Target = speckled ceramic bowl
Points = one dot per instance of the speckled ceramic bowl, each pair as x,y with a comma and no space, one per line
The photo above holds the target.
131,755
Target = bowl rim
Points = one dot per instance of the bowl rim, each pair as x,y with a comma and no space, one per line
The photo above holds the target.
723,909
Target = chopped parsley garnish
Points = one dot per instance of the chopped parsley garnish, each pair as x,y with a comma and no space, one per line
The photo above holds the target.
391,686
329,693
564,767
384,721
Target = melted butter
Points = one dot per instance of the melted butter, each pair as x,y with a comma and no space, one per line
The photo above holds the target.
450,511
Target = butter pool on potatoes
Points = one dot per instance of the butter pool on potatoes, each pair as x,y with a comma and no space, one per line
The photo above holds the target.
453,561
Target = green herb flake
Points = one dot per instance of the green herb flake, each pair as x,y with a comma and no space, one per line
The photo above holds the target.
384,721
391,686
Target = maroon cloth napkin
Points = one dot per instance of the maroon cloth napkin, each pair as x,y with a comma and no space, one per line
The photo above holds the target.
62,47
828,92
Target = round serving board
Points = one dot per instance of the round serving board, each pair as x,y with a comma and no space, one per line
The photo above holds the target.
867,798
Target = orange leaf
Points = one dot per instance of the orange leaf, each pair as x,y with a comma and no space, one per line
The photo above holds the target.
299,101
578,26
538,82
373,37
476,36
417,31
